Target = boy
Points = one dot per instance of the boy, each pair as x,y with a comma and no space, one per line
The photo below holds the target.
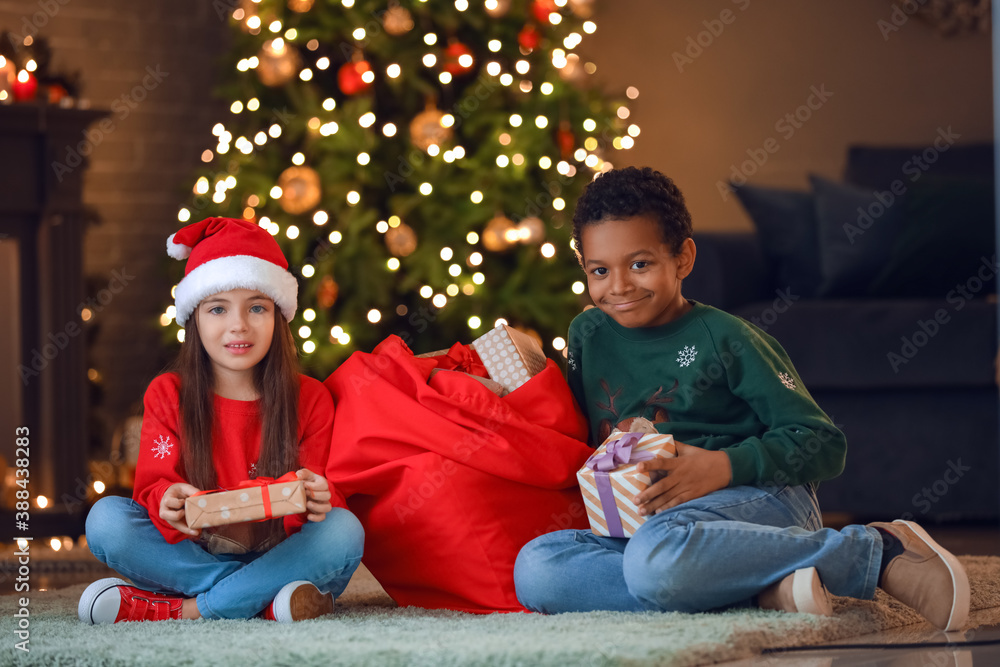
735,521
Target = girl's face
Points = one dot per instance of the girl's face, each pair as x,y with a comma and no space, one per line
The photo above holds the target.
236,328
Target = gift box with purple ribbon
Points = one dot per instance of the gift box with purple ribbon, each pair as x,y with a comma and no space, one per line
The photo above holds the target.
609,480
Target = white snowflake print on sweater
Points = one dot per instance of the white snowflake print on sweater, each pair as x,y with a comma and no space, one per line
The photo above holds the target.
163,447
687,355
786,380
252,473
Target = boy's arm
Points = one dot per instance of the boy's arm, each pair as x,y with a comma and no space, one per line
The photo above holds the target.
801,443
574,367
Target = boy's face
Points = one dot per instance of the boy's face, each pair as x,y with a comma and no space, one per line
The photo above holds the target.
631,273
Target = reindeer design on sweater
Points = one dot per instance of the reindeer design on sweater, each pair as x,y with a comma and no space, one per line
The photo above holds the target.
653,411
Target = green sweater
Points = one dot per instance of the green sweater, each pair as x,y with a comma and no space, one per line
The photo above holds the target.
711,380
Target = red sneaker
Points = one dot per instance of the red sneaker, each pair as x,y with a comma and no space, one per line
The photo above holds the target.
115,601
298,601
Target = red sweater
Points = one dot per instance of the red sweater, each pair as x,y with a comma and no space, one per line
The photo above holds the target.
235,444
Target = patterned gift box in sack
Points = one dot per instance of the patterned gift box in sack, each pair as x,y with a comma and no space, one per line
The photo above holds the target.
511,357
609,480
255,500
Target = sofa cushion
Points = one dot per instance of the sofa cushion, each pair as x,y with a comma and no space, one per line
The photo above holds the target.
875,343
948,231
786,223
856,228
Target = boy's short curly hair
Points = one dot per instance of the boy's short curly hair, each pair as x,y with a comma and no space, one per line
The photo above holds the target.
631,191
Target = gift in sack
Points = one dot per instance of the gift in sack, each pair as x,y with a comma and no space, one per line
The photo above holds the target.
258,499
609,480
448,479
511,357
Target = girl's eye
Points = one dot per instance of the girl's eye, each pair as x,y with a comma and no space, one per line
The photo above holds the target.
639,264
257,308
600,271
217,310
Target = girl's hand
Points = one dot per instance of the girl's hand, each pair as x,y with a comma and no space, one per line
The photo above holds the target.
317,494
693,473
172,507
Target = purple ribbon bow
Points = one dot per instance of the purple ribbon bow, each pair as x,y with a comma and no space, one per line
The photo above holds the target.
616,453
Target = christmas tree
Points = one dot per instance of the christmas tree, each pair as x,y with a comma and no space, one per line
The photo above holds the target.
417,161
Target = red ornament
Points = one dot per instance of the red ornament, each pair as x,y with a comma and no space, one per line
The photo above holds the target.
25,86
453,60
566,140
349,77
542,8
529,37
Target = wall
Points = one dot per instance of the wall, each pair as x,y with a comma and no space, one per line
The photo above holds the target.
153,65
700,117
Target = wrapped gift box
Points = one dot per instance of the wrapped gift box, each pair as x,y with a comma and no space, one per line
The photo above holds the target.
511,357
249,503
609,480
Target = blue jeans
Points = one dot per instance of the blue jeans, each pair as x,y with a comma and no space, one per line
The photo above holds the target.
714,552
326,553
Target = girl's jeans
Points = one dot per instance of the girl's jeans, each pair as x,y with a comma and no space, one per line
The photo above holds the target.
325,553
717,551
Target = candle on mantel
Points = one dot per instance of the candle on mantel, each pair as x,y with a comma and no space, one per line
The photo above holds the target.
6,79
25,87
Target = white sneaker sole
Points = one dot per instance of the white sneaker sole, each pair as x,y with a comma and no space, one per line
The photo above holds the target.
959,579
88,601
300,600
810,594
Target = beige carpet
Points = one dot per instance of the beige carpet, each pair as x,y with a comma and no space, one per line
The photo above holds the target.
367,628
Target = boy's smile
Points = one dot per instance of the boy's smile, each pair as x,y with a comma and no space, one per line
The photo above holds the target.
631,273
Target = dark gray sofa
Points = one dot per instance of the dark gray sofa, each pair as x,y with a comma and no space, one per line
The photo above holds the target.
858,280
923,434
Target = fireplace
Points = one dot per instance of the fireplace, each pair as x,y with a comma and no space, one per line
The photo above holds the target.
42,340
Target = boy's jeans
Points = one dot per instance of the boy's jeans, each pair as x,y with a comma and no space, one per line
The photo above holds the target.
326,553
713,552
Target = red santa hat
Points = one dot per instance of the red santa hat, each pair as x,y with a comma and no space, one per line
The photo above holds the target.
224,254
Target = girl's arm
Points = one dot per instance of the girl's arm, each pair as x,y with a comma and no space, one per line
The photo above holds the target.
315,433
160,466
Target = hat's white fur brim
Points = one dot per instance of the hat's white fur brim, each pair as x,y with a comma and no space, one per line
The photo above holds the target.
236,272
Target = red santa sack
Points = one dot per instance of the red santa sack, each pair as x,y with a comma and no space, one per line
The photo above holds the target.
448,479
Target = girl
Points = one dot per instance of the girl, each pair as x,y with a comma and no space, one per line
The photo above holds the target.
234,408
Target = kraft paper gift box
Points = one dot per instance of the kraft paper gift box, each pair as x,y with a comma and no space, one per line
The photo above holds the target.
609,480
253,502
511,357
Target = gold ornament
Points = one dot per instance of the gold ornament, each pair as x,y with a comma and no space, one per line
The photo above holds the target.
397,21
531,230
426,129
582,8
500,234
300,189
401,240
300,6
327,293
497,8
277,64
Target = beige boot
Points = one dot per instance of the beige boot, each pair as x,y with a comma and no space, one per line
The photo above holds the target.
800,592
926,577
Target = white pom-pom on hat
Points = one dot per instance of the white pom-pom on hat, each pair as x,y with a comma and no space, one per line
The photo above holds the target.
177,250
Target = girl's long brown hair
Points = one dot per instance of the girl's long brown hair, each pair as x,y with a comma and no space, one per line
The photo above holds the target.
276,379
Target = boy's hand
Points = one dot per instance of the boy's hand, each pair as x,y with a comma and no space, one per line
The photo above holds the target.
172,507
317,494
693,473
